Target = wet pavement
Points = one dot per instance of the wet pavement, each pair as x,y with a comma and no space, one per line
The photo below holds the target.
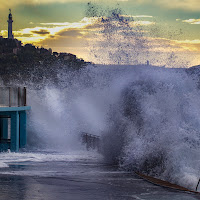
77,180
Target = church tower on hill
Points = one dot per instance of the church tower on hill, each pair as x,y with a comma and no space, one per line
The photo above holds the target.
10,21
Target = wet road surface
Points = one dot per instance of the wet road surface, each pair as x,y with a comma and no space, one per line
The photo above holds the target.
76,180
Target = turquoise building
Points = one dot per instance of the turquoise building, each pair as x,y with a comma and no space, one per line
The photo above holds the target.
13,118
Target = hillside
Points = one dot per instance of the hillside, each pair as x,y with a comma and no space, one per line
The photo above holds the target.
24,62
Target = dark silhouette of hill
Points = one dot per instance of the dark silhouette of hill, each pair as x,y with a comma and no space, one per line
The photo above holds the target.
22,63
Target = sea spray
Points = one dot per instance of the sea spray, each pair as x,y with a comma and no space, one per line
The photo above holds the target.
123,39
156,127
147,118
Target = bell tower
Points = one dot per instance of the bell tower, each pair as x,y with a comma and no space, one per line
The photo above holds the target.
10,21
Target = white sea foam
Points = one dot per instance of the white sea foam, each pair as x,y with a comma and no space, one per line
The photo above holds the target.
28,158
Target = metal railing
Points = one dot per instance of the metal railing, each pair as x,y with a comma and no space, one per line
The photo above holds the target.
12,96
91,141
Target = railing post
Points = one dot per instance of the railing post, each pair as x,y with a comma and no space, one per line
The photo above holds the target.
24,96
14,132
9,97
22,129
18,96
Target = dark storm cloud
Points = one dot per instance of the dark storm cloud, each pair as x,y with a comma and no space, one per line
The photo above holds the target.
70,33
41,32
93,26
63,42
22,35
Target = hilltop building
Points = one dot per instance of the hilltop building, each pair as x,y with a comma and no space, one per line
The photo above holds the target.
10,21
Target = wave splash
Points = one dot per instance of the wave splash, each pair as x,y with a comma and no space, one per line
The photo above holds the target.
147,117
155,126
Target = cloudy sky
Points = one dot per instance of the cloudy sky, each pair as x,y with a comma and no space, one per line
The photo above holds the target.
109,31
